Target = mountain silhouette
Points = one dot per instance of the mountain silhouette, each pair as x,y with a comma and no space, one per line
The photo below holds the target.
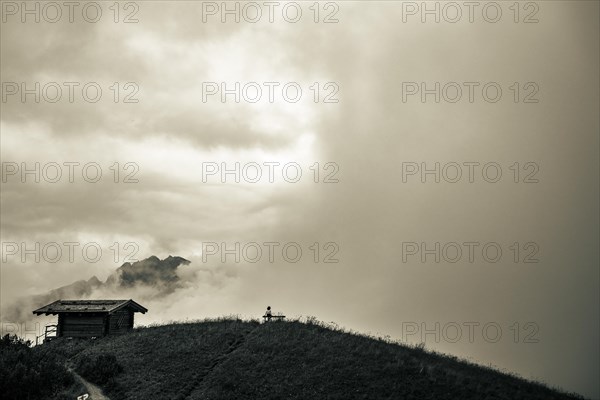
158,275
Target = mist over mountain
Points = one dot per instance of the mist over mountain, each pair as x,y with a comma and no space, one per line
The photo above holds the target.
147,279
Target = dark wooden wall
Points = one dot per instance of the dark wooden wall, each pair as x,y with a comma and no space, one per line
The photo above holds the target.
94,324
120,322
80,325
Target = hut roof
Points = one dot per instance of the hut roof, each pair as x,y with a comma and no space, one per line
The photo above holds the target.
88,306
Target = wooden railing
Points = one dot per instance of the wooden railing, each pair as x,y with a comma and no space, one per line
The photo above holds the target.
50,332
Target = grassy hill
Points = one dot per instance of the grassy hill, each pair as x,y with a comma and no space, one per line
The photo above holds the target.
234,359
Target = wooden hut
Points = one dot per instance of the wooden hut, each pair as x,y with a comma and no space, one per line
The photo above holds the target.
92,318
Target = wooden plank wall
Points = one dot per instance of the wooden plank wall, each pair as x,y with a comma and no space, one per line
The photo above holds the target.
120,322
92,324
84,325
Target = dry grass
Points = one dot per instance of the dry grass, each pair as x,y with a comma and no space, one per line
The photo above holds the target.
233,359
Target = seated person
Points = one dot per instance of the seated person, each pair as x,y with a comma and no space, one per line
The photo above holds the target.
268,314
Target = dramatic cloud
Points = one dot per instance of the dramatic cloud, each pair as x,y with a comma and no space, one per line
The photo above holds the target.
164,140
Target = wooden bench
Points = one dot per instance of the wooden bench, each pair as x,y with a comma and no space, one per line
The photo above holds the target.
275,317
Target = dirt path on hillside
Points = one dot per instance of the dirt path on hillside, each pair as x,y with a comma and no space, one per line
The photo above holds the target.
94,392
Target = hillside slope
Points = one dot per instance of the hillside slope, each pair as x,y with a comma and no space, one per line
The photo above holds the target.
233,359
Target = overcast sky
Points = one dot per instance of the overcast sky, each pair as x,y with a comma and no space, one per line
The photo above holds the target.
363,211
